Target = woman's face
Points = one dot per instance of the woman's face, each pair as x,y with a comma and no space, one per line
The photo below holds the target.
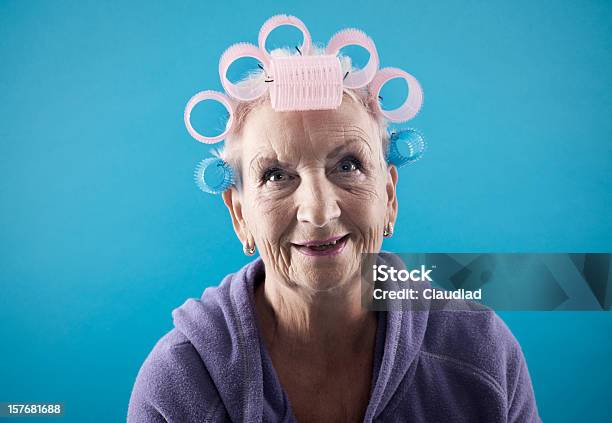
309,177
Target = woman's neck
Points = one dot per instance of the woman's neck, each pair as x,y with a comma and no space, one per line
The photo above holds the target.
327,324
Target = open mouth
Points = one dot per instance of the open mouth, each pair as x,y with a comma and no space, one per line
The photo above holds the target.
324,249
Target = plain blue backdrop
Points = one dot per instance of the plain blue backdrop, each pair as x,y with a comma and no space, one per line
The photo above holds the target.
103,231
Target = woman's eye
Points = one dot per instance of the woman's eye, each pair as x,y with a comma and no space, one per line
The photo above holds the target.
277,176
349,165
274,175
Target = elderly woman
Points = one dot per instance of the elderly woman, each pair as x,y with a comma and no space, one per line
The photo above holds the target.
286,338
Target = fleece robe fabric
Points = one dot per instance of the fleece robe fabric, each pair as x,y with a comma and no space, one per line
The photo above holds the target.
437,366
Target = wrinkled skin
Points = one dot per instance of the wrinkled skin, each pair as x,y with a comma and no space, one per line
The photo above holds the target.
312,176
314,190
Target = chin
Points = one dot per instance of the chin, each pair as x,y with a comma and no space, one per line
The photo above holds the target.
325,276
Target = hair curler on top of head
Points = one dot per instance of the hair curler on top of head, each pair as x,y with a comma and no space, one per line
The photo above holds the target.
307,81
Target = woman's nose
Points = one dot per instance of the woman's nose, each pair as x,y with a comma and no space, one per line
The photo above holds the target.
318,204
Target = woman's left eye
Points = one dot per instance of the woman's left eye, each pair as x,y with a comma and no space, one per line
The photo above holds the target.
349,165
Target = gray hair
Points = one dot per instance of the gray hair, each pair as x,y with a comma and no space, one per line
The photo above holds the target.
230,154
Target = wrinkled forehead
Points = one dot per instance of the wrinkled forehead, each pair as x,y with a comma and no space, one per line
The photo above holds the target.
310,135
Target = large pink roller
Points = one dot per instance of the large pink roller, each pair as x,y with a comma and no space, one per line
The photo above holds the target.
304,81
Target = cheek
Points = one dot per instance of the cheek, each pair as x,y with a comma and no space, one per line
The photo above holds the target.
270,222
364,195
365,215
363,191
364,206
269,219
367,186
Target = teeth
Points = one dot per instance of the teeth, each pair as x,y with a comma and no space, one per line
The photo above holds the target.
325,245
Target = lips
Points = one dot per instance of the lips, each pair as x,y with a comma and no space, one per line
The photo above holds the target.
327,247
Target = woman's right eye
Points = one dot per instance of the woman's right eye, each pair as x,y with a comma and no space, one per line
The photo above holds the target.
274,175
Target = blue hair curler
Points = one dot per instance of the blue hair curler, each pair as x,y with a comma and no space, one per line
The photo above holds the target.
214,175
405,146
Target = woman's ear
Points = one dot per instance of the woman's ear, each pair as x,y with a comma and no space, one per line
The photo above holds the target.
233,202
391,193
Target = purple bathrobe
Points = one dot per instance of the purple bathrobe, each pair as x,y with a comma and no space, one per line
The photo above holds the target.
438,366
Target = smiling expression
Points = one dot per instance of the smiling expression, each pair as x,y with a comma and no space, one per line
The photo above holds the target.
313,178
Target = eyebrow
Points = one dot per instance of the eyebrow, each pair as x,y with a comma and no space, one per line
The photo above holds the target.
262,160
351,141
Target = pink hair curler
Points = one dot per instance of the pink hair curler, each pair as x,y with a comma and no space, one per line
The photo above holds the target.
413,102
349,37
209,95
282,20
305,82
246,91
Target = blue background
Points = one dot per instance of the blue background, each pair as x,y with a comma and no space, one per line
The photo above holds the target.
103,231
